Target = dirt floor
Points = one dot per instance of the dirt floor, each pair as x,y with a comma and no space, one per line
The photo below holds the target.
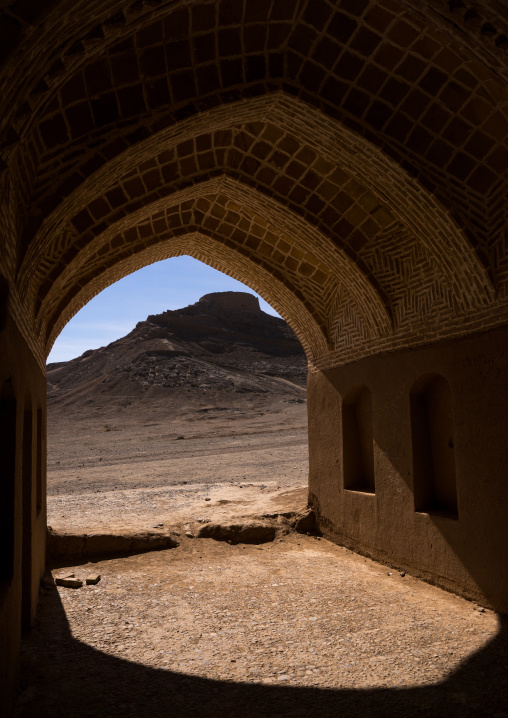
294,627
297,627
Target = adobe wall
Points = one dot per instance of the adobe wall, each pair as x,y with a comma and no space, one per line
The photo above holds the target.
466,555
22,378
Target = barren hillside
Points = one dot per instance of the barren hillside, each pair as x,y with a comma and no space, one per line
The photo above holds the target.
219,348
204,396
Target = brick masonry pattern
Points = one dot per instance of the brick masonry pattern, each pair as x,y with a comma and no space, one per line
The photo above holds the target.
346,159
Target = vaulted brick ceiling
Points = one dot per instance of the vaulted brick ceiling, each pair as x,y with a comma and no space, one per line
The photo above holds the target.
346,159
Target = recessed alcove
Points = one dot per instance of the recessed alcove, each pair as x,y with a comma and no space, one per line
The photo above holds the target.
8,426
27,470
40,459
433,443
357,441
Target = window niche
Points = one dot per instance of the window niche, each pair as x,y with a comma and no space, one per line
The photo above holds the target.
39,458
8,414
434,475
27,473
357,440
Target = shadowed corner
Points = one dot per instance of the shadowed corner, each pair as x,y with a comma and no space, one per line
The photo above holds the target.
64,677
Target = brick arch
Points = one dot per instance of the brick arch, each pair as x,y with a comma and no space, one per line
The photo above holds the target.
254,226
384,244
337,295
367,187
91,27
219,256
400,77
268,142
383,94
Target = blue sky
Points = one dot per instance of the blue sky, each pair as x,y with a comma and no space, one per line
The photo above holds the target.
170,284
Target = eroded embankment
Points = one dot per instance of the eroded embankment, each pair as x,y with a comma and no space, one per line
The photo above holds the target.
66,546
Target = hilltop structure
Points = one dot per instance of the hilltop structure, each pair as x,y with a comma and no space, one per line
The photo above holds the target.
348,160
222,345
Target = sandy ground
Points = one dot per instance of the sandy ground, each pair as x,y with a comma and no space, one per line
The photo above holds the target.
297,627
133,474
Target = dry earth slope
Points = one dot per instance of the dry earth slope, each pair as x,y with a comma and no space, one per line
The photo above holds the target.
221,347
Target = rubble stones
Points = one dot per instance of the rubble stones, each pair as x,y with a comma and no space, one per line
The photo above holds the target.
69,582
189,622
93,579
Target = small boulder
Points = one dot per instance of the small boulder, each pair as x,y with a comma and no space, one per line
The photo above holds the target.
69,582
93,579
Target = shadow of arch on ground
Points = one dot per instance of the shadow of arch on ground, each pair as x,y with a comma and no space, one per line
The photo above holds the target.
101,685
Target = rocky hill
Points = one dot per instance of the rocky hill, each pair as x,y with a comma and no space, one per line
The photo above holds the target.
221,347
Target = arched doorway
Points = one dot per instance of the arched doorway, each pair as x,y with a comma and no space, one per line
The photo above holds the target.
348,160
183,403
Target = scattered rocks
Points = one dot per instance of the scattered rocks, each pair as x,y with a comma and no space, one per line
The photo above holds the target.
69,582
219,622
93,579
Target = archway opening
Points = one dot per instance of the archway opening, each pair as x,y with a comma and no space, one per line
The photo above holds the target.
196,403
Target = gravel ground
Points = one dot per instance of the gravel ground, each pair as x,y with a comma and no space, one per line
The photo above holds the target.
298,627
131,482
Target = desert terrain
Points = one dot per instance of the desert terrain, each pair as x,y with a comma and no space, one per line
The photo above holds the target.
150,439
207,402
